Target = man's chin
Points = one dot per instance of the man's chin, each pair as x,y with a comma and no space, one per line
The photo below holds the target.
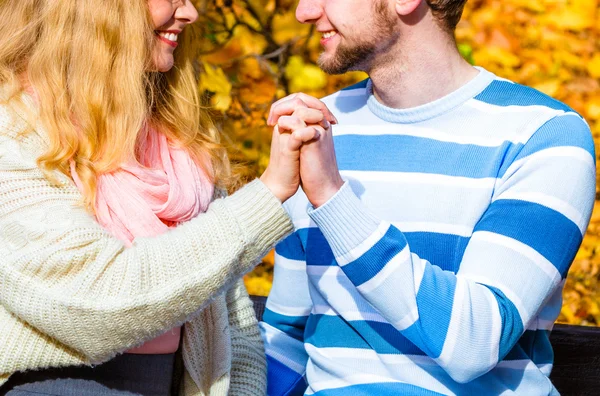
332,65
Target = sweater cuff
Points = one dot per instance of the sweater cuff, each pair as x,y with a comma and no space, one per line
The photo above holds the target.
344,221
260,215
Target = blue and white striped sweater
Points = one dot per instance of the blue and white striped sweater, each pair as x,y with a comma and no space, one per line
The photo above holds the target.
438,268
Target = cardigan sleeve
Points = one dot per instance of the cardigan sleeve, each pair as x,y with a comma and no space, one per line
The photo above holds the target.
248,362
62,274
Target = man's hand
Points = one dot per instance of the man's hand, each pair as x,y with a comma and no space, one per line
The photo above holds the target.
319,174
282,176
310,122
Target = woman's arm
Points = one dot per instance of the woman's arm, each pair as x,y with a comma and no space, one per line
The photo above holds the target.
65,276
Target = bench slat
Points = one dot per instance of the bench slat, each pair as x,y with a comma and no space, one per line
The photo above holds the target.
576,360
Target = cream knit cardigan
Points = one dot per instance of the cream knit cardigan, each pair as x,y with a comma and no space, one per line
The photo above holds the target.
71,294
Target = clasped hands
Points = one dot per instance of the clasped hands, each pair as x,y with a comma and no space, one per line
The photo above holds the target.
302,151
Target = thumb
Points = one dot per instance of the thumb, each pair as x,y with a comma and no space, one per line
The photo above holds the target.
294,142
305,135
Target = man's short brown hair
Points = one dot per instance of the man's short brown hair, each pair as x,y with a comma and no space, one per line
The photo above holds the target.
447,12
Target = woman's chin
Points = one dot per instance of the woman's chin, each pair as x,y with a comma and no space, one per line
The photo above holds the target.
163,64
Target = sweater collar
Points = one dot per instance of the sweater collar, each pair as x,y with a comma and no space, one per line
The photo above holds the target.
432,109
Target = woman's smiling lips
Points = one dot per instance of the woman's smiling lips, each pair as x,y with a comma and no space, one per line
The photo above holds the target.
168,36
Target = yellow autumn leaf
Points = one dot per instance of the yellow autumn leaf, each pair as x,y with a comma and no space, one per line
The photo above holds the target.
261,8
286,27
570,60
569,314
484,16
260,92
294,66
214,80
242,43
535,6
496,55
593,308
257,286
269,258
585,252
549,87
220,101
593,66
263,162
249,18
304,76
251,68
230,19
250,42
592,109
280,93
570,18
595,219
588,7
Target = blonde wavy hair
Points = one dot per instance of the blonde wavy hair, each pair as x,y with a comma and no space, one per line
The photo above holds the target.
90,64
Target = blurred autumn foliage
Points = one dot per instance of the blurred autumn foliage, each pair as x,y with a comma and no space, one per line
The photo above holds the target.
254,52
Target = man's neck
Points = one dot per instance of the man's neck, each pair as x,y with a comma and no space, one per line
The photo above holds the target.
426,67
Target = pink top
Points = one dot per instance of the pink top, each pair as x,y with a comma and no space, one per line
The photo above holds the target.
166,343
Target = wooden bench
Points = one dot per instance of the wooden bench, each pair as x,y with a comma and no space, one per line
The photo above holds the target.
576,369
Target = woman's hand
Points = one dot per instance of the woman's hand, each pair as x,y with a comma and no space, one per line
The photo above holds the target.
295,124
282,176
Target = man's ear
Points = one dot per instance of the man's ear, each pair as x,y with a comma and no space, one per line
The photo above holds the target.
406,7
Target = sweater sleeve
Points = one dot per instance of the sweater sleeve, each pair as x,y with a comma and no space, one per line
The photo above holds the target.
286,313
518,254
62,274
248,363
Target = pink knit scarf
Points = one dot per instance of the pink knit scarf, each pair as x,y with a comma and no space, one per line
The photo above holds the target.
145,199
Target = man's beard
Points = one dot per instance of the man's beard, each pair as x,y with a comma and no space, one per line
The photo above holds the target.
346,58
357,56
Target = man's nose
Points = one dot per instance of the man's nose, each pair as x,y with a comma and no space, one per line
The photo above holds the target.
309,11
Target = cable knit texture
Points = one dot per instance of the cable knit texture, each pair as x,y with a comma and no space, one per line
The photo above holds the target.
72,294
